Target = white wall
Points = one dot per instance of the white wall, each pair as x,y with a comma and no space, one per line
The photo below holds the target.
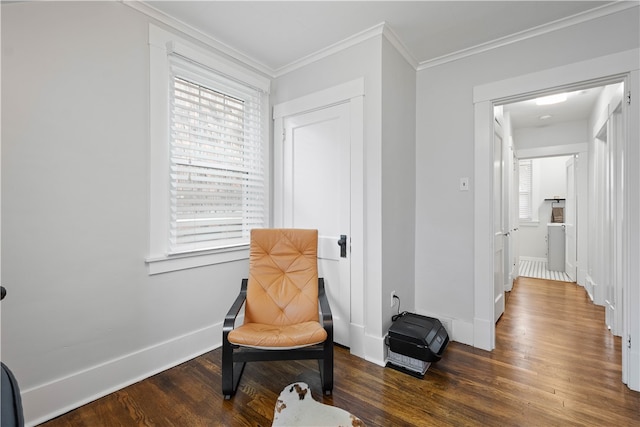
565,133
82,315
398,182
445,151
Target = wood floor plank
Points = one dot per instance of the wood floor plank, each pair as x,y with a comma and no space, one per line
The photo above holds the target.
555,364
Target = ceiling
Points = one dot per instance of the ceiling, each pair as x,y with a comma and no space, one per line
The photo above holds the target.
578,106
275,35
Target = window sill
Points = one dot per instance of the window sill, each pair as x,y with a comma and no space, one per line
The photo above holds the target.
165,264
529,223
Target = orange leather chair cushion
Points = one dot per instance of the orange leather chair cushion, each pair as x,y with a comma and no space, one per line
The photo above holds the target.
258,335
282,292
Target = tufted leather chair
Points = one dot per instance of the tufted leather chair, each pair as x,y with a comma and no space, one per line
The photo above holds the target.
287,314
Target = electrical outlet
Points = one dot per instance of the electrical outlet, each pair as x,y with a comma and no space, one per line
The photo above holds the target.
393,294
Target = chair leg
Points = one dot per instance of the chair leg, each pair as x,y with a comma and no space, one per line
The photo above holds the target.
227,370
326,368
238,369
231,371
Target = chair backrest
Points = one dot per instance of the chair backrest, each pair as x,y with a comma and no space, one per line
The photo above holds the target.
283,277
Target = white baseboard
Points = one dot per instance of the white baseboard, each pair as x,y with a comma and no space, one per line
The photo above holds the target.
375,350
508,286
483,331
532,259
357,341
633,377
592,289
463,332
458,330
47,401
582,277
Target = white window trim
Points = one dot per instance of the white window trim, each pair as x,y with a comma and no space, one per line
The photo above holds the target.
161,43
530,218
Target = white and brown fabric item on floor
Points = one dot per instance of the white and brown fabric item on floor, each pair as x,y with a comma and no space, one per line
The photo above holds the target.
296,407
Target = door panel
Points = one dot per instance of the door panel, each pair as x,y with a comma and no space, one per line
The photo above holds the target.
316,195
514,226
570,222
498,223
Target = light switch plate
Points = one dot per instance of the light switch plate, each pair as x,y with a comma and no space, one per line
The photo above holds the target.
464,184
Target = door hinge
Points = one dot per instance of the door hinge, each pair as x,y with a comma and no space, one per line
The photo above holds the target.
629,342
284,134
629,98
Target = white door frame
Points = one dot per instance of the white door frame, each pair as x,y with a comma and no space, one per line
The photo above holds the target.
353,93
571,253
484,97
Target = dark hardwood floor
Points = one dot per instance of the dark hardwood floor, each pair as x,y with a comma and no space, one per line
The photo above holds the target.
555,364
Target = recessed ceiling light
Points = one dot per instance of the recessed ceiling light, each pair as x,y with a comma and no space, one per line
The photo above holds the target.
545,117
551,99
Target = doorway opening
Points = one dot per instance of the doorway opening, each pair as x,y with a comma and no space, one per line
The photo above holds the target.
622,66
545,201
566,190
562,153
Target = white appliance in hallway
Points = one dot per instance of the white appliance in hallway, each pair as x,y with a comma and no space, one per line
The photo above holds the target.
555,246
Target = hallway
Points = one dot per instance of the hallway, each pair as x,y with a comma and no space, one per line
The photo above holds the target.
538,270
569,359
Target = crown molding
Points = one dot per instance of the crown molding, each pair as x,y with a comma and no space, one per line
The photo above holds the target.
380,29
198,35
353,40
399,45
579,18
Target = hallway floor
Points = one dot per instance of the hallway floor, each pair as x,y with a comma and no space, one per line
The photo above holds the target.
538,270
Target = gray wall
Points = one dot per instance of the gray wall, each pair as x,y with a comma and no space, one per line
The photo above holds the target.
82,315
398,182
445,150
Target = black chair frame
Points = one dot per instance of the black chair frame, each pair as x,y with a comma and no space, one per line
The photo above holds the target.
234,357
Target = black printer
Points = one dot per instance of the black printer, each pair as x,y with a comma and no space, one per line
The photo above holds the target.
414,340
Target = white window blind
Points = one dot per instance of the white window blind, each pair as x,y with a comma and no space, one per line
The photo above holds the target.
525,179
216,159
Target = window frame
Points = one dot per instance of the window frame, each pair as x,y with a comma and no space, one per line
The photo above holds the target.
161,44
529,193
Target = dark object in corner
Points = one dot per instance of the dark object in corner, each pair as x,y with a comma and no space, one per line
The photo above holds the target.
417,337
11,400
11,409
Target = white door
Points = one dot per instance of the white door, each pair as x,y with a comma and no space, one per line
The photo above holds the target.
608,210
316,194
614,234
617,215
514,222
498,224
570,265
507,219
